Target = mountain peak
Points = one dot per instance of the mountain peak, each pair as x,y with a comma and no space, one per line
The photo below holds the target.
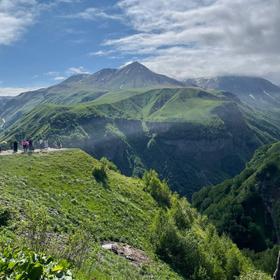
136,66
133,75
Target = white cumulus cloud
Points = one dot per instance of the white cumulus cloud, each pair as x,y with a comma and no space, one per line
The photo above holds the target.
15,17
203,37
77,70
13,91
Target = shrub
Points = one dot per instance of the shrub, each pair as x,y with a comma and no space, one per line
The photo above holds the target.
195,254
26,265
78,249
159,190
182,214
254,275
34,229
265,261
109,164
99,174
180,251
5,216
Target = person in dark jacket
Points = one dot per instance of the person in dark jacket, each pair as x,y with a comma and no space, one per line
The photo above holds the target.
15,147
31,147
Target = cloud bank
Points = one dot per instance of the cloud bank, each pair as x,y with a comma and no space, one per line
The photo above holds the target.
203,37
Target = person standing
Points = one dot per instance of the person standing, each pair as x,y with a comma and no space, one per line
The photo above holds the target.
15,146
27,146
24,145
31,148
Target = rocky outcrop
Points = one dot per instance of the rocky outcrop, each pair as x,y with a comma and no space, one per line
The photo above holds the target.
136,256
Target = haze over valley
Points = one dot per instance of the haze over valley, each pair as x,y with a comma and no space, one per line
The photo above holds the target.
139,140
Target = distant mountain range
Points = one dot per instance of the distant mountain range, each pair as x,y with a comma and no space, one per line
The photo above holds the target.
254,91
192,135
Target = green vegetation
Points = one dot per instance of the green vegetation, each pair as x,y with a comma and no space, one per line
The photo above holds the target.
158,190
26,265
56,207
100,175
247,206
141,120
172,105
176,131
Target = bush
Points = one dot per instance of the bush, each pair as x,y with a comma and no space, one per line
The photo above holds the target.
78,249
26,265
265,261
99,174
254,275
109,164
180,251
182,214
34,229
5,216
195,254
159,190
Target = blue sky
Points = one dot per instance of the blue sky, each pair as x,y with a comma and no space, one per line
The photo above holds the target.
58,44
43,42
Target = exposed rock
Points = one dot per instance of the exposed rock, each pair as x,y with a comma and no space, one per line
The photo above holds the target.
134,255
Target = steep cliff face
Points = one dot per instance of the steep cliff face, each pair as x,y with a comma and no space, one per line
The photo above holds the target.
248,206
191,137
188,155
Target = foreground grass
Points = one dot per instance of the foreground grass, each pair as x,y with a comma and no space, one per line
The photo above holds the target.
63,184
54,205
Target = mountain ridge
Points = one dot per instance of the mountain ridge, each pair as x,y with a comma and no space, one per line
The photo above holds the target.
254,91
134,75
145,127
169,130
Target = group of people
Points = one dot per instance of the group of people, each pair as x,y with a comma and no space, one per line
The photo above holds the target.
28,145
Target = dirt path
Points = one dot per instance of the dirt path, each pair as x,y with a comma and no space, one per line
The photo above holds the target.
37,151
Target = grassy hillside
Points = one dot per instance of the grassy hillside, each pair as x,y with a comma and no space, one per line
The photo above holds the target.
67,204
247,207
191,137
169,105
142,120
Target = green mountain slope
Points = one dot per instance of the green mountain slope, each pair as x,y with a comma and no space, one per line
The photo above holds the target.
191,137
141,120
68,204
247,207
85,87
